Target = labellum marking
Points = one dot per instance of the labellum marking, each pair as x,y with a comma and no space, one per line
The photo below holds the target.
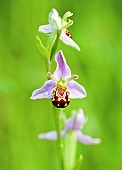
46,93
60,97
68,34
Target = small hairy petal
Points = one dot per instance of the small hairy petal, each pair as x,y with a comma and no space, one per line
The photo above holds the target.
76,90
87,139
45,29
52,135
62,67
44,91
68,41
67,15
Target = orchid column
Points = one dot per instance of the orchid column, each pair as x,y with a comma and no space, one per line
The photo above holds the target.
60,87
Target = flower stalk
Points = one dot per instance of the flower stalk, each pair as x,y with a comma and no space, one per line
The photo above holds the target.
57,117
48,52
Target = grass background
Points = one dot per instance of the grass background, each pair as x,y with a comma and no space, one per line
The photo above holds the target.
98,31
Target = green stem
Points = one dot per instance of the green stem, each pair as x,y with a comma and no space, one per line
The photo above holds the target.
78,163
55,46
57,116
48,64
49,52
70,144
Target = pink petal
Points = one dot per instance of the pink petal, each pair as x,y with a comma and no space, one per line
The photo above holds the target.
80,119
62,67
68,41
76,90
70,123
76,121
87,139
45,28
44,91
52,135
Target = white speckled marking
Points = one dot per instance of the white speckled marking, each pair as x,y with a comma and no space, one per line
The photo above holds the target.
46,93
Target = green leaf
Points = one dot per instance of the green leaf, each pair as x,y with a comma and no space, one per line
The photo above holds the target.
78,163
41,47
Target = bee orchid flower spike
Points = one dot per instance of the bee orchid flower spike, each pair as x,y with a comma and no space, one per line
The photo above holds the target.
62,87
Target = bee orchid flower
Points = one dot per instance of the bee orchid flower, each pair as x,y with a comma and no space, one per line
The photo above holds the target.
61,25
75,123
62,86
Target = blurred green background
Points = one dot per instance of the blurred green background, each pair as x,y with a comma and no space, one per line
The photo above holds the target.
98,31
